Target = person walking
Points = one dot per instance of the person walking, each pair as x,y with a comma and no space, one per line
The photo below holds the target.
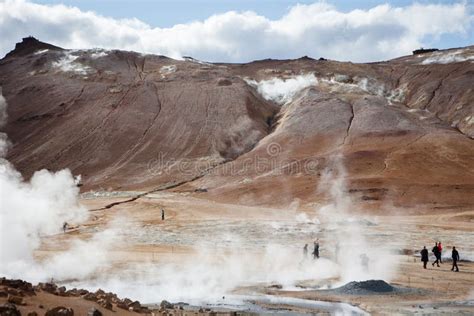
162,214
455,257
440,248
316,249
435,251
65,226
424,256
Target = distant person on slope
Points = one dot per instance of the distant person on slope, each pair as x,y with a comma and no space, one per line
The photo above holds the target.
424,256
162,214
436,253
65,225
316,249
455,256
440,248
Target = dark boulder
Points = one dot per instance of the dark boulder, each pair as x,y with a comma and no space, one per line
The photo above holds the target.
60,311
9,310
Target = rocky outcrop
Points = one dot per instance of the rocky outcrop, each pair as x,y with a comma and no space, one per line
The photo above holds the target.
60,311
16,292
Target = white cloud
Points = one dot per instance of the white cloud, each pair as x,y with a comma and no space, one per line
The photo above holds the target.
318,29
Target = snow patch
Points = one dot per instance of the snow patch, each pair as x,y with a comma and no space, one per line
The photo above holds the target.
448,57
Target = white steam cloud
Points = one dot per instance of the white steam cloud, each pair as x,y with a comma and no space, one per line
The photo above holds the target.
356,257
449,57
284,90
33,209
317,29
68,63
280,90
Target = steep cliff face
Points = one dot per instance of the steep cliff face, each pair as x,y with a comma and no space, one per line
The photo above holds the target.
260,133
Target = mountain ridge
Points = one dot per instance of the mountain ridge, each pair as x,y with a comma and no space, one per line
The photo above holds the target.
128,121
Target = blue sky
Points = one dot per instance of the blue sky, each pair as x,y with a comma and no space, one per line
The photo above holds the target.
166,13
275,29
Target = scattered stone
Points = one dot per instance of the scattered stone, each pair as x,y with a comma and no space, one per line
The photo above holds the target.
94,312
61,291
122,305
99,292
9,310
48,287
60,311
17,300
82,292
90,297
134,306
105,303
19,285
166,305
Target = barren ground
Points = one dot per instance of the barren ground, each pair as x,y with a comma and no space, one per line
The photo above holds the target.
192,221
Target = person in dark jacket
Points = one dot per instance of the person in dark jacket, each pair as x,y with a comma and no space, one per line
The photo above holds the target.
316,249
424,256
162,214
436,253
455,256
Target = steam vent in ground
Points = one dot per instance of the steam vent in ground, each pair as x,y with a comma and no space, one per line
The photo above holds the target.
258,133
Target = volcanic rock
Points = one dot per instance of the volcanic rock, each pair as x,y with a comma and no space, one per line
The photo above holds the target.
60,311
17,300
166,305
94,312
8,309
366,287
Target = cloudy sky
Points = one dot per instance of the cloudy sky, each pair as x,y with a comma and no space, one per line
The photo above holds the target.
243,30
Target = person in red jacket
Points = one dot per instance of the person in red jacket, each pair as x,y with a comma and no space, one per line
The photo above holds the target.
440,248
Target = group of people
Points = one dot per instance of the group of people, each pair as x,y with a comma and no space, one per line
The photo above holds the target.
437,252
